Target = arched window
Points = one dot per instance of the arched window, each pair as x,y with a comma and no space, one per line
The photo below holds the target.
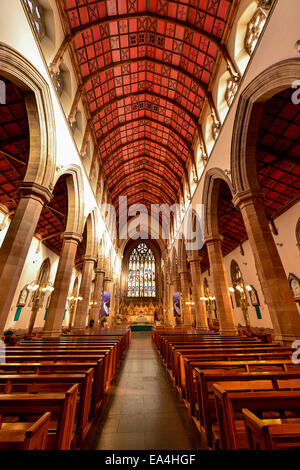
141,272
236,279
35,13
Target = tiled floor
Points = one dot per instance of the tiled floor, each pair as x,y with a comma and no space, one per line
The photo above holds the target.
143,411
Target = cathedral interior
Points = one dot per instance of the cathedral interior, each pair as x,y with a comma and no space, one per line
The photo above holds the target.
149,224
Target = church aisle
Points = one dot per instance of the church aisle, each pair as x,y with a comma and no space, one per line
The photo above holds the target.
143,412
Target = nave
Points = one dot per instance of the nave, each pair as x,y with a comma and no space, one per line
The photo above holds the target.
143,411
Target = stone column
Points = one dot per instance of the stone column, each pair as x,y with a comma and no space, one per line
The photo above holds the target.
274,283
220,283
16,244
98,296
197,289
61,286
166,298
186,297
117,298
82,309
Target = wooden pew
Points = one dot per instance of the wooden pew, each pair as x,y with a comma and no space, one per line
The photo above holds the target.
114,358
272,434
171,345
98,389
38,383
182,360
33,438
189,351
229,406
187,379
186,376
62,407
205,393
62,358
110,364
168,343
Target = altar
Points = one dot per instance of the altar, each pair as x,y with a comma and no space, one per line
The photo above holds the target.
139,313
141,323
139,316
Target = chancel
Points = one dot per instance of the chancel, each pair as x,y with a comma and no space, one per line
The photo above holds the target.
149,225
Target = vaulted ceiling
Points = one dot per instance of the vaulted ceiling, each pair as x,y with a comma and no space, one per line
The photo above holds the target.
145,69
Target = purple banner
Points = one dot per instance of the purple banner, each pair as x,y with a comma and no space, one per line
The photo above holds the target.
176,304
106,304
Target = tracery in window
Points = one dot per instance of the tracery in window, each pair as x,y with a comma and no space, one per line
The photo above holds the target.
141,272
36,17
254,30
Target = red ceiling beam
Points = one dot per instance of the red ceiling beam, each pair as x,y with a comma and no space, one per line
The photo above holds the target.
142,93
145,170
150,200
147,59
103,21
143,139
148,157
140,120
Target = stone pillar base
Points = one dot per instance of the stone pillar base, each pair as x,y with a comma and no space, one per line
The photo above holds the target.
228,332
202,329
50,333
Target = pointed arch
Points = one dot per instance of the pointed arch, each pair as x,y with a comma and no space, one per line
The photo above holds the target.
91,247
276,78
42,156
210,196
75,193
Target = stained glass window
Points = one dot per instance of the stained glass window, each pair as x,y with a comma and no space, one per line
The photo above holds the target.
141,272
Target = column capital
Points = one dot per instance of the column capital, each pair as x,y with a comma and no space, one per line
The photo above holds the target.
89,258
213,238
195,258
247,196
183,271
76,237
99,271
34,190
